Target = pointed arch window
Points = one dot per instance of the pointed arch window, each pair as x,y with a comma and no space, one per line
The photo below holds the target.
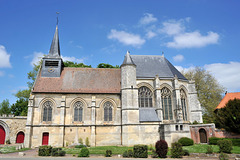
47,111
183,104
144,97
166,96
108,111
78,111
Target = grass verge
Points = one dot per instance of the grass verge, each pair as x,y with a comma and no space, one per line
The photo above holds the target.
11,149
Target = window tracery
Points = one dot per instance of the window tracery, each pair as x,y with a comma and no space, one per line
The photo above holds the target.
166,96
108,106
78,111
47,111
183,104
144,97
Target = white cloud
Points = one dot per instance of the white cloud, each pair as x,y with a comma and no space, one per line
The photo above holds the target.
172,27
37,56
227,74
126,38
1,73
72,59
4,58
193,40
178,58
183,39
182,69
147,18
150,34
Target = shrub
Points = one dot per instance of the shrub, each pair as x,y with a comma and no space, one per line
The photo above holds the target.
125,154
176,151
80,141
185,141
128,153
150,148
161,148
140,151
108,153
185,152
209,150
44,151
8,141
225,146
214,140
58,152
223,156
154,154
80,146
87,142
84,152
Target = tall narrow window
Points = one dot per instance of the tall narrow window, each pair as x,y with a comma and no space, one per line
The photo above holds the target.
78,111
183,104
144,97
167,104
47,111
108,111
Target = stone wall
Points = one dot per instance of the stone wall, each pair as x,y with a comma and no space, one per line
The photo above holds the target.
12,126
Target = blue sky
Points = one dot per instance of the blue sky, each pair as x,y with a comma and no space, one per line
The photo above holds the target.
189,32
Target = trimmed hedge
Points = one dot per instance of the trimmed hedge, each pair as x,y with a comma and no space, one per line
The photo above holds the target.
140,151
225,146
44,151
214,140
185,141
128,153
58,152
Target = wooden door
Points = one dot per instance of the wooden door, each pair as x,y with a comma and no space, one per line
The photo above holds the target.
2,135
203,136
20,137
45,138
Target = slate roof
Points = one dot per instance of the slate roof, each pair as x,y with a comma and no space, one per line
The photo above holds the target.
80,80
127,60
148,66
148,115
55,47
226,98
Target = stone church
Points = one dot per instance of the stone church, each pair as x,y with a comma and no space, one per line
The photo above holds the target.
144,100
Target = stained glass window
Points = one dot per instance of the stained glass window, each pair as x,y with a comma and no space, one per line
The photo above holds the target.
108,111
166,96
144,97
47,111
78,111
183,104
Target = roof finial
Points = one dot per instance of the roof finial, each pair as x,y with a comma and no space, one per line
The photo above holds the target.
57,17
162,53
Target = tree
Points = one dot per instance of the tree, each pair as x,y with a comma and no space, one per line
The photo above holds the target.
229,116
20,108
208,89
74,64
5,107
105,65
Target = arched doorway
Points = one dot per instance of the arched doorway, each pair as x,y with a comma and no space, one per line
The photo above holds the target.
45,138
20,137
203,135
2,135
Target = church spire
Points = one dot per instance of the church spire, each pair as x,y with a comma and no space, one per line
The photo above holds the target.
128,59
55,47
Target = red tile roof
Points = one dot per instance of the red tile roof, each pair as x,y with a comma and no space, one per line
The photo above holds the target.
81,80
226,98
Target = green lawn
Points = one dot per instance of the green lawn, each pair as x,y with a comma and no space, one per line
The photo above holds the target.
11,149
197,148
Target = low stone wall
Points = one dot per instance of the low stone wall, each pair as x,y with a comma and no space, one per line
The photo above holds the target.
12,126
224,134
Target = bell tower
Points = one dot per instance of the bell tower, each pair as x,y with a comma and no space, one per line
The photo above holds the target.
52,63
